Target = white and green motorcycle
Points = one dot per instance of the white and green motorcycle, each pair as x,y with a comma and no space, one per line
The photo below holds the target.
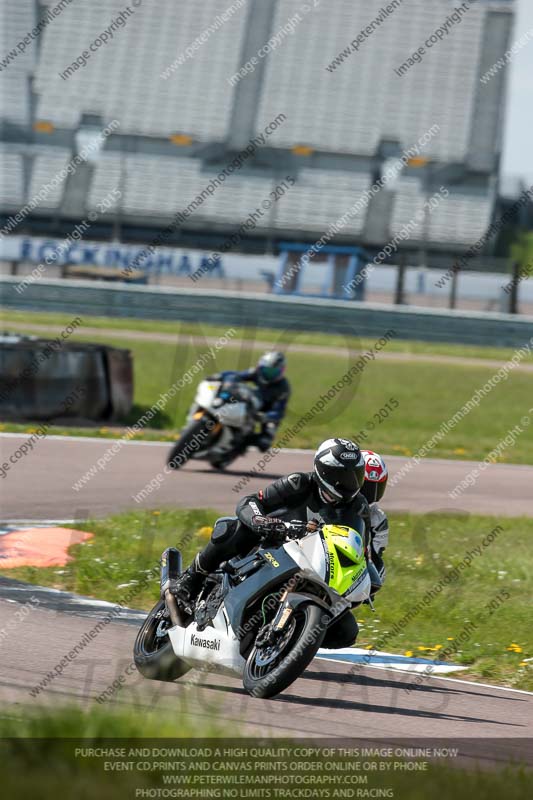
262,617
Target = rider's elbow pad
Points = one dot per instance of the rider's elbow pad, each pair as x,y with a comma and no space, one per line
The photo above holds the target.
248,508
380,528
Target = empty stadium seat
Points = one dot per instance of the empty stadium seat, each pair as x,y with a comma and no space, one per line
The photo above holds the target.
47,163
123,79
16,20
361,102
349,110
319,198
460,218
162,186
12,183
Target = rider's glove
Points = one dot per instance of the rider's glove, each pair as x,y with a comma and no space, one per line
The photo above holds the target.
268,524
276,531
272,531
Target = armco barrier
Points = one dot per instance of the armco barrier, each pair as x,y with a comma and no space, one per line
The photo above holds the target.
305,314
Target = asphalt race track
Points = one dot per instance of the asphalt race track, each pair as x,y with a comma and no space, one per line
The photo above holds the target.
331,699
39,485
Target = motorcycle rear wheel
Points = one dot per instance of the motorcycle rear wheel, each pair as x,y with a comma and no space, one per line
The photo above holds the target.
153,653
296,651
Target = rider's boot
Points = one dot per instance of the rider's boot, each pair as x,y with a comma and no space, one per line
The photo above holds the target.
229,537
190,583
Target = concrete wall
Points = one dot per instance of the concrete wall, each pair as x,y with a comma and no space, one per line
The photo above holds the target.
223,308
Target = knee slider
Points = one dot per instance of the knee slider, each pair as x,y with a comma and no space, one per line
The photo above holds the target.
223,530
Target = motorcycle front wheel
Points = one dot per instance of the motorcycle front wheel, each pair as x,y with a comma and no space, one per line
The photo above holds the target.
269,670
194,437
152,651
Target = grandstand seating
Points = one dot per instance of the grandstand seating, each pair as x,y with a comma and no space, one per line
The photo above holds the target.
16,19
15,105
460,218
463,218
408,207
123,79
47,163
321,197
161,186
361,102
347,111
12,183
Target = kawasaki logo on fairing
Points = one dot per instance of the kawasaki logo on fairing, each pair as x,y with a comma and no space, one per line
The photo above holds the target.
210,644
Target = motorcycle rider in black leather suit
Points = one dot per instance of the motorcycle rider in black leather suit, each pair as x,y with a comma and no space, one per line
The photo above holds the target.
329,494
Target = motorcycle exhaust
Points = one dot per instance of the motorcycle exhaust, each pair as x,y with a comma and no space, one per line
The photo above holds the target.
171,568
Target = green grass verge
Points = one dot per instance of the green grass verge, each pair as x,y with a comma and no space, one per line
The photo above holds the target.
37,749
100,722
264,334
424,548
427,394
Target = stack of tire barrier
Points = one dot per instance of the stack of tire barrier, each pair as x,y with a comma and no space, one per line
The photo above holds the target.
42,379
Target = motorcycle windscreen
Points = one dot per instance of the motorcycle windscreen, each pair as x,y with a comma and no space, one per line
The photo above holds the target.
206,393
235,415
314,549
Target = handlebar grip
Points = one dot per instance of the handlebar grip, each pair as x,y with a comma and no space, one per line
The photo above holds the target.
269,524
